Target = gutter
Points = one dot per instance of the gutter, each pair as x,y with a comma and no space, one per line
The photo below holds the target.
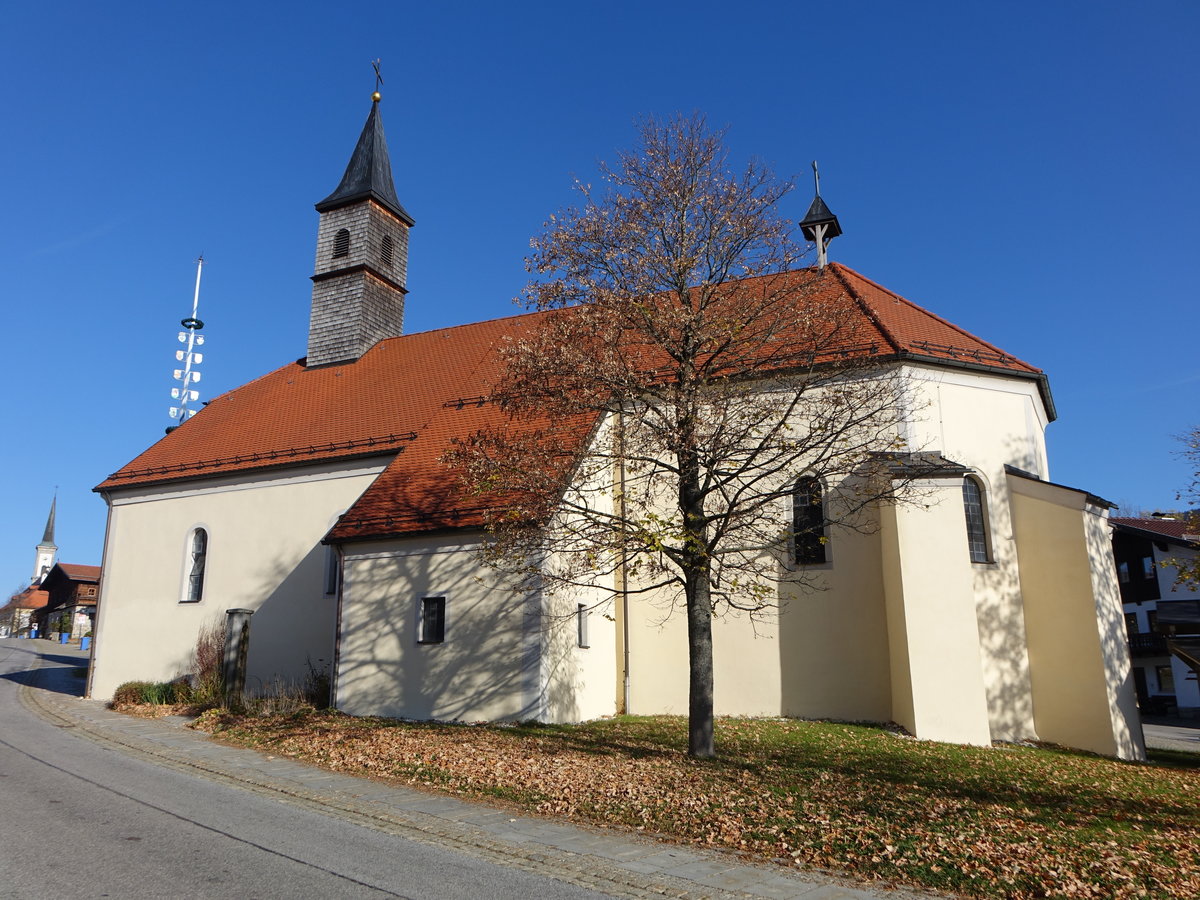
624,577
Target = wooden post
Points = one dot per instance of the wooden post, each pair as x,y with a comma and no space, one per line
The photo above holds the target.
237,645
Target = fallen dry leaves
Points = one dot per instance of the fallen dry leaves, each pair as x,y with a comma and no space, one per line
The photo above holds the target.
1003,822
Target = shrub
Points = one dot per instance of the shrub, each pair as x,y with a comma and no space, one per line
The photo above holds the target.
131,693
158,693
281,698
318,685
207,661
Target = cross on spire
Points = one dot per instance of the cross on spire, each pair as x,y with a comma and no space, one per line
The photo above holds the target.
378,81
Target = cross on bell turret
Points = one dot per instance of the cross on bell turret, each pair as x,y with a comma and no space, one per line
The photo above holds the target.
820,225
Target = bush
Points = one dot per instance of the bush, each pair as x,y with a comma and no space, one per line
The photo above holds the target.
317,685
159,693
207,661
130,693
281,698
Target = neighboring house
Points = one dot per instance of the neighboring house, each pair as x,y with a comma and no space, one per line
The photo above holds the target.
72,591
17,616
316,496
1162,619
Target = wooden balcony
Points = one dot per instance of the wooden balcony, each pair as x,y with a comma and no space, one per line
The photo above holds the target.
1148,645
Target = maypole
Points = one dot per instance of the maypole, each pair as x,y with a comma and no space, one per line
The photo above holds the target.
190,358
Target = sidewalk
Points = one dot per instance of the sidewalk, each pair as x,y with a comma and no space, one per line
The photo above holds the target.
1172,733
616,863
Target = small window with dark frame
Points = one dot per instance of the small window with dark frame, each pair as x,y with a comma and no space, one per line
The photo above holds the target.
1148,568
581,626
199,555
341,243
386,251
1131,623
808,522
1166,679
433,620
333,570
976,520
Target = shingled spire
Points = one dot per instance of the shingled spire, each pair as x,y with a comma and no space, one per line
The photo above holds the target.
46,550
369,173
362,255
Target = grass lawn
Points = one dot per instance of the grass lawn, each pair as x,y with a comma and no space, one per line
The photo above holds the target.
999,822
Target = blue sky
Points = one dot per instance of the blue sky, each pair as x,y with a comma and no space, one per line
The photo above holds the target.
1027,170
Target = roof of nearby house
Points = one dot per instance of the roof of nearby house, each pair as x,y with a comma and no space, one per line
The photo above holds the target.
1176,531
409,396
77,572
30,598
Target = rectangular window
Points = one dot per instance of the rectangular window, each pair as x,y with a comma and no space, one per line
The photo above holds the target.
1131,623
581,637
976,527
332,571
433,620
1166,679
1147,567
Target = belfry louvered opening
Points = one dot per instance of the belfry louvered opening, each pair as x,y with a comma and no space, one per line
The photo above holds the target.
386,250
341,243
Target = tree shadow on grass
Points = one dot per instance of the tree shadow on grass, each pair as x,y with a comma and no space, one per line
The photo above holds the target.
930,772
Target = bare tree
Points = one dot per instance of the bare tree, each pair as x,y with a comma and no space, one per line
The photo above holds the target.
683,376
1188,570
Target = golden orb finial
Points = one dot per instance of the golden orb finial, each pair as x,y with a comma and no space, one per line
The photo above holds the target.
376,97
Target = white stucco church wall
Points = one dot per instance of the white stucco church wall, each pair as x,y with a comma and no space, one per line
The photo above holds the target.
264,554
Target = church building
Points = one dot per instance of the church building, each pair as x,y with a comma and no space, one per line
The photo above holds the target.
317,496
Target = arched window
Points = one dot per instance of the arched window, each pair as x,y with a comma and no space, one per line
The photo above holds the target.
199,553
808,522
341,243
386,250
976,520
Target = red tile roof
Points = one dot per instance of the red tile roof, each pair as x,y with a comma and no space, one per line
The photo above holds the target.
912,331
1173,529
30,598
374,406
409,396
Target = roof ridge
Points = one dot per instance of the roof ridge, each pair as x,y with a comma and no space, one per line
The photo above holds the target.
415,334
838,271
934,315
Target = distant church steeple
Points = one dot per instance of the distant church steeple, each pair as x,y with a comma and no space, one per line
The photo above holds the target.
362,255
47,549
820,225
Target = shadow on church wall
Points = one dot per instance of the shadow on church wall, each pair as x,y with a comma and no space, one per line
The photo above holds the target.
487,667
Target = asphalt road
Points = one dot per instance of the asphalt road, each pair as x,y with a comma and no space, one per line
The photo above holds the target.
80,820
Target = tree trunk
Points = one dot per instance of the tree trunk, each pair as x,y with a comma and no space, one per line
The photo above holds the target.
700,666
698,596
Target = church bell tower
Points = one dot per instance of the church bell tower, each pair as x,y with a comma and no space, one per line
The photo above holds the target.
47,549
362,256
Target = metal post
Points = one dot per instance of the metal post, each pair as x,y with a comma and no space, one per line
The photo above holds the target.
237,645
